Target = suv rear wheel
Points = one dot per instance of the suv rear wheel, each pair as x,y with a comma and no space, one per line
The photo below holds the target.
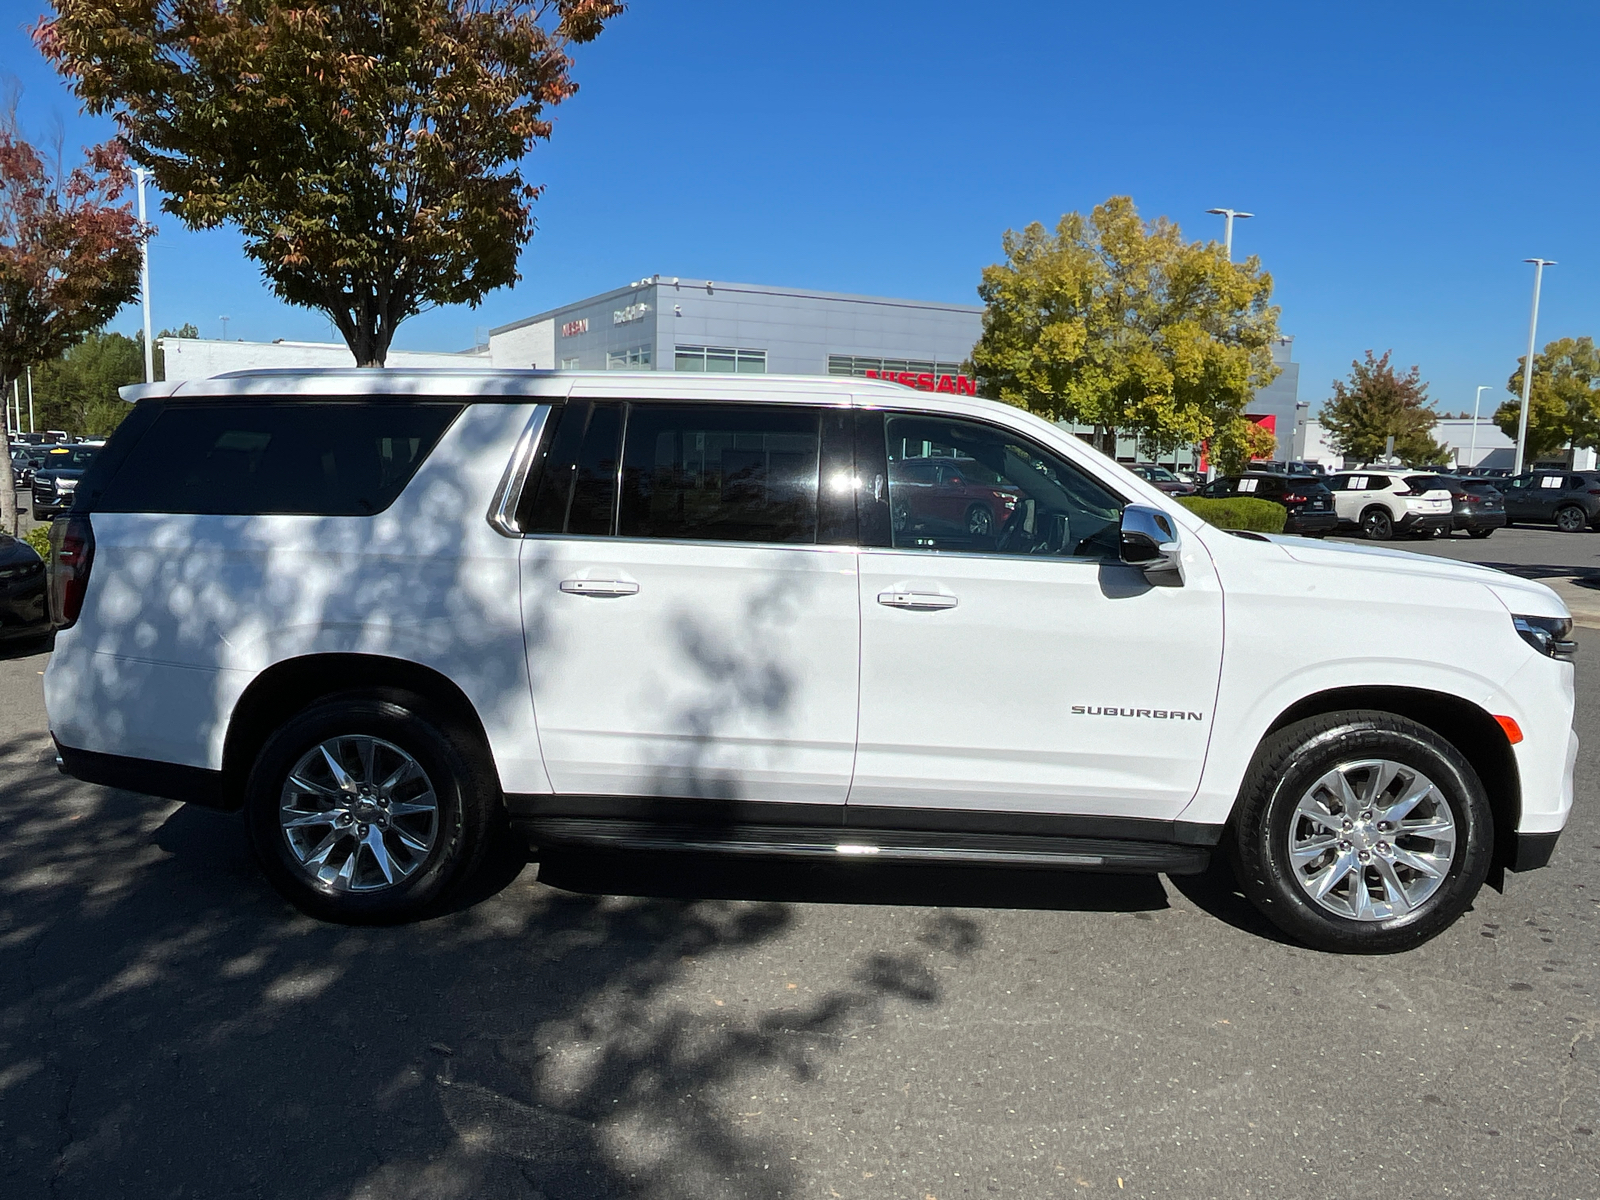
1570,519
1377,525
1361,832
365,808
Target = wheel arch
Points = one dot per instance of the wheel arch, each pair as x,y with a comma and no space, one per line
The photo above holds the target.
286,687
1474,732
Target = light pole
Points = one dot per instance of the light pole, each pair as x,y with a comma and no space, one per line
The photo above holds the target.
1539,264
141,175
224,321
1472,454
1228,214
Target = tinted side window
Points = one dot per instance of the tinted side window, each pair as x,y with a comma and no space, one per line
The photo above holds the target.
325,458
1014,497
577,472
721,472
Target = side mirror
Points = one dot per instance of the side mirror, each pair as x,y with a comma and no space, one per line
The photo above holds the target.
1150,541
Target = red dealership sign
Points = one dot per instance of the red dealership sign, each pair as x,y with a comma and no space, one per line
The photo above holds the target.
574,328
958,385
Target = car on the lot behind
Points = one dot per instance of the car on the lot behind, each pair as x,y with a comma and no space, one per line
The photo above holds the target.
389,614
1569,500
1162,478
1382,502
1476,505
56,480
1307,500
23,612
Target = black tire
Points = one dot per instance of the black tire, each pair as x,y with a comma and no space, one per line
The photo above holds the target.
1286,767
1377,525
1571,519
1480,534
456,766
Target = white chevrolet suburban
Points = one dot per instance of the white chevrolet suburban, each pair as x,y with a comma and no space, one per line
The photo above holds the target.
390,613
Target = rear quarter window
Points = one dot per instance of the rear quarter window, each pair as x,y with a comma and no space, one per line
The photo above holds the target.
310,457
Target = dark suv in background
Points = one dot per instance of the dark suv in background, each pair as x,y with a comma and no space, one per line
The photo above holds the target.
1476,505
56,480
1570,500
1307,499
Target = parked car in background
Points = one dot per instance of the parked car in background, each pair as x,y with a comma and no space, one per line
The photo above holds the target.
23,612
1570,500
1308,501
1162,478
950,497
1382,503
1476,505
56,480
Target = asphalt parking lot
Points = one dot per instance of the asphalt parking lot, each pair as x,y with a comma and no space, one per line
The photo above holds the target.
609,1027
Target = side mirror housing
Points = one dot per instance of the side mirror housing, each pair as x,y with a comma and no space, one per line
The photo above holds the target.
1150,542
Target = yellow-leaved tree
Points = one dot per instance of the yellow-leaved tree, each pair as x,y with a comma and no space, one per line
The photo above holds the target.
1118,323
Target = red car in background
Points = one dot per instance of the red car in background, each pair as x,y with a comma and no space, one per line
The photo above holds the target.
949,497
1161,478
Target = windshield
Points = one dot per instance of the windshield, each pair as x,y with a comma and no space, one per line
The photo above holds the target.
1158,475
73,460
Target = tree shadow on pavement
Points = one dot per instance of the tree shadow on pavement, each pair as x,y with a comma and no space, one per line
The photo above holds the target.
168,1026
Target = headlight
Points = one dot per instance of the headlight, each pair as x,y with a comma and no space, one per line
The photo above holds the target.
1548,635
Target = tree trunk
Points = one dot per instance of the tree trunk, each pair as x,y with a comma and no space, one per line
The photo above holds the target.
8,485
367,324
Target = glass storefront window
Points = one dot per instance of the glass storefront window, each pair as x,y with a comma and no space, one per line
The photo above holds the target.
720,360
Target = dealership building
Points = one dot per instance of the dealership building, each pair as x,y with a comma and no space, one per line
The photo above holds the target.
670,323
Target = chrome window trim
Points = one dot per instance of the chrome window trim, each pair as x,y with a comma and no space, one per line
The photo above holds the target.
502,515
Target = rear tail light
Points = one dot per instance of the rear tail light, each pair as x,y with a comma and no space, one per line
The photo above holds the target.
67,571
1295,498
1594,491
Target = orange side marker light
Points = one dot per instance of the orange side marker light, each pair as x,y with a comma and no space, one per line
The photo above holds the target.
1513,730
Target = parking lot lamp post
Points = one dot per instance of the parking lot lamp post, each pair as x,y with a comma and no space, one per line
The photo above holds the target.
1228,214
144,282
1539,264
1472,454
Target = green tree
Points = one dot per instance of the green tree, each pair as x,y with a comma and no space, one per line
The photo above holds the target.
1377,403
369,152
78,391
69,259
1120,324
1564,402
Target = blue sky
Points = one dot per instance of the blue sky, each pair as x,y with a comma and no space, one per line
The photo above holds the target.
1403,159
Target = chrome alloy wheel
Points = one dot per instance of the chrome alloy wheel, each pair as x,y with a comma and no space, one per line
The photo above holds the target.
1372,840
358,814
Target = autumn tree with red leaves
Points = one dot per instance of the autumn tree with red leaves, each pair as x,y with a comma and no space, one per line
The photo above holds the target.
69,259
369,150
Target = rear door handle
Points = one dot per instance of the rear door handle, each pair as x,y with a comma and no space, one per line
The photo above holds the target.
917,601
600,587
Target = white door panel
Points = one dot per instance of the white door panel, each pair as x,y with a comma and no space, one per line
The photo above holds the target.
1034,684
693,669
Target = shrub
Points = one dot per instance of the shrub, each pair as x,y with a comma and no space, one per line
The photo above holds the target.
39,538
1238,512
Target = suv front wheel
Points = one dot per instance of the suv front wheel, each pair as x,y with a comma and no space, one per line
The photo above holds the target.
1377,525
1361,832
365,808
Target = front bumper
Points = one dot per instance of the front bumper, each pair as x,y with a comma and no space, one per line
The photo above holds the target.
1534,850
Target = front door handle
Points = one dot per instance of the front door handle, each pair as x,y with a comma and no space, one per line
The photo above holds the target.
600,587
917,601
